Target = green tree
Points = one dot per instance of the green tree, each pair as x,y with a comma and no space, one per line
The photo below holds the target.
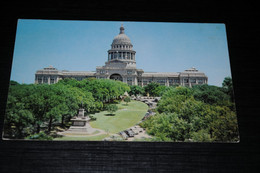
127,100
136,90
201,136
167,127
12,82
112,108
183,118
102,90
210,94
173,99
224,126
18,121
228,87
32,107
40,136
153,89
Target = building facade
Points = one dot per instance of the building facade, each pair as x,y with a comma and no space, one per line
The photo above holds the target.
121,65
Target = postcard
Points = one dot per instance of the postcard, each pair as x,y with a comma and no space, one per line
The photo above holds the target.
121,81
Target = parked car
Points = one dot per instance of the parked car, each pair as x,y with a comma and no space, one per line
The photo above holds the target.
124,135
130,133
140,130
135,131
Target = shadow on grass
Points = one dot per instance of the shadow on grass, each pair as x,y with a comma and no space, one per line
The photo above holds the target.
110,114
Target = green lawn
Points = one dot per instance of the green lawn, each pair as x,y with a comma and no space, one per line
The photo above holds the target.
83,138
127,116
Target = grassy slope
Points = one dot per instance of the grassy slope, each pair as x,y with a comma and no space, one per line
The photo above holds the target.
125,117
83,138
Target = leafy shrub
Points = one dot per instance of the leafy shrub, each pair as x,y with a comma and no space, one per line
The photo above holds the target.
127,99
92,118
40,136
112,108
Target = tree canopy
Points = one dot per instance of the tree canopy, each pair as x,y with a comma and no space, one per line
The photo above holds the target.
202,113
155,89
112,108
136,90
31,108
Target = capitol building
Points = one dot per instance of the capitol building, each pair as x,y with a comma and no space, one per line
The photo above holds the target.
121,65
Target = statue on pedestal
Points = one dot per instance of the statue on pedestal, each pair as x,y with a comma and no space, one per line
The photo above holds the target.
80,122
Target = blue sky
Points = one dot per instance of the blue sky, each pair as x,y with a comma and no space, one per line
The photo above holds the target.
83,45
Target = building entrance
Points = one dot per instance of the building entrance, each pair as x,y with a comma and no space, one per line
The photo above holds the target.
116,77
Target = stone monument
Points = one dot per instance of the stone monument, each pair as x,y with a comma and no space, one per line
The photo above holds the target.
80,123
80,126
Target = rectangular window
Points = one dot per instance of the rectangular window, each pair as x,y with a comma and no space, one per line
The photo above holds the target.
129,79
52,80
200,81
192,80
161,81
39,80
45,80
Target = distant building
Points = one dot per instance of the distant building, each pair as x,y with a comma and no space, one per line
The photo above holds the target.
121,65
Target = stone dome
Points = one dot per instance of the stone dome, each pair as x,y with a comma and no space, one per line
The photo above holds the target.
121,38
121,49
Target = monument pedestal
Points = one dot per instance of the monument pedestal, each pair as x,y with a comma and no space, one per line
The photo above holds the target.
80,123
80,126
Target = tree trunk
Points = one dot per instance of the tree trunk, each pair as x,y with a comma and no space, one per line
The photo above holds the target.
38,128
19,133
50,124
62,121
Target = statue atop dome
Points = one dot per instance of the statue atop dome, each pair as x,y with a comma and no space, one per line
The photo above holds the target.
122,29
121,39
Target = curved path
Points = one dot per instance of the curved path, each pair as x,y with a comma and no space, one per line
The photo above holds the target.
126,117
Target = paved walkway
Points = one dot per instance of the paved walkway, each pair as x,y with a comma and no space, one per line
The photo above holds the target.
90,132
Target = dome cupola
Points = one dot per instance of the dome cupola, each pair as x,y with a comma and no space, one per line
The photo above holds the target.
121,48
121,38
